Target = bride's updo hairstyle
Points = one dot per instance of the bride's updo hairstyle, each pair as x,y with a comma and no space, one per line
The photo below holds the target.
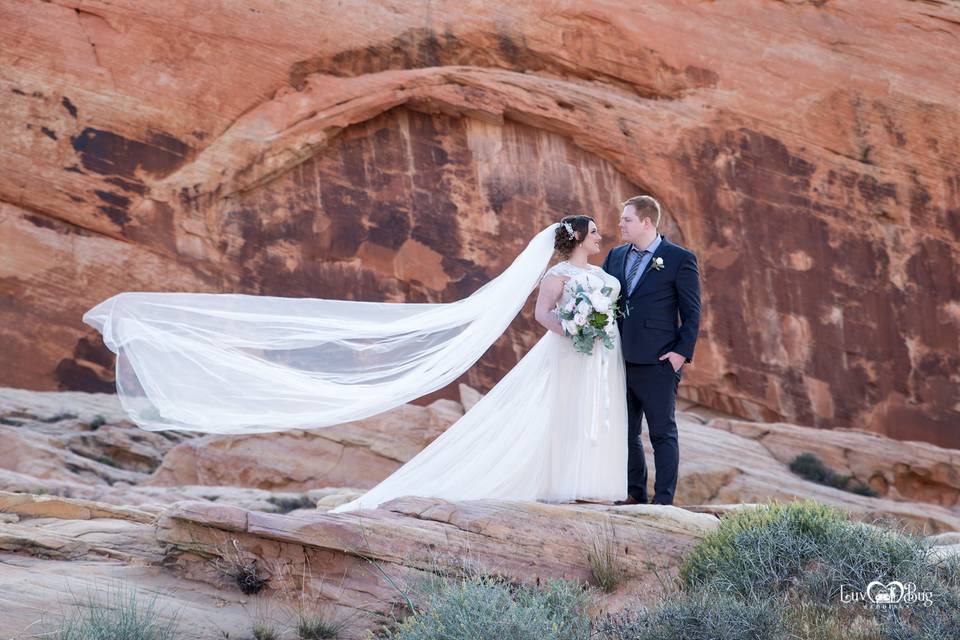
565,241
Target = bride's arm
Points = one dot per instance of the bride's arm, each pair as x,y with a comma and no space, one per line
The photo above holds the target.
550,289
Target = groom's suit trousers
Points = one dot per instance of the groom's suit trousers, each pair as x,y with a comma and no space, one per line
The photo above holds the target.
651,393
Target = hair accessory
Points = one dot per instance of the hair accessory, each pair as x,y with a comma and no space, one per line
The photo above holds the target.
569,228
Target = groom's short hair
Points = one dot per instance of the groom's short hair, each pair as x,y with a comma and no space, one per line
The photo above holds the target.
645,207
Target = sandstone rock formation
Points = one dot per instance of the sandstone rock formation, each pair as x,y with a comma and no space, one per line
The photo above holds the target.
526,542
363,565
750,464
356,454
722,460
908,471
806,151
85,527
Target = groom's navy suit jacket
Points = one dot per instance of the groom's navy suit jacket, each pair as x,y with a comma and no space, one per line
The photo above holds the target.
660,299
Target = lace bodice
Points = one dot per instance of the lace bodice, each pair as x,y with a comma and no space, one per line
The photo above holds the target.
566,270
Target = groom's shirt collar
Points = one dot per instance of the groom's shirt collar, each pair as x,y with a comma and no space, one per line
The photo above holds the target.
651,247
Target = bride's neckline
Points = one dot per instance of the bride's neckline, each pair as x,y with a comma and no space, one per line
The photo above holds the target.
576,266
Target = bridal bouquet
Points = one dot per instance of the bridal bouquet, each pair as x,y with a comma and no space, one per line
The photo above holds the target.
590,314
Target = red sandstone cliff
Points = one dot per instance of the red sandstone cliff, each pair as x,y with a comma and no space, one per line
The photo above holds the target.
809,152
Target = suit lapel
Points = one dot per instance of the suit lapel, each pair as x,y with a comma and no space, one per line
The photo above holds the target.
656,254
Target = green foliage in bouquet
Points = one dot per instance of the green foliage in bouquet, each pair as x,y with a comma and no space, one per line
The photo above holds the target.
596,322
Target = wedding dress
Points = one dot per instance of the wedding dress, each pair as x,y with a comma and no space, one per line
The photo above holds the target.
554,429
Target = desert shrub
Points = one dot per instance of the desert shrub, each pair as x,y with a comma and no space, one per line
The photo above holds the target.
756,549
117,612
240,567
286,504
607,564
319,627
704,615
805,553
484,607
810,467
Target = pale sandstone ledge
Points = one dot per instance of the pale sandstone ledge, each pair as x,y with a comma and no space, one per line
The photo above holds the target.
722,460
523,541
357,564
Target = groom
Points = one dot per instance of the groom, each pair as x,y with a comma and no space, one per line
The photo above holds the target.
659,281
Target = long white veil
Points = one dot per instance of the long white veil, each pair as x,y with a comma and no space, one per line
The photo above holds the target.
236,363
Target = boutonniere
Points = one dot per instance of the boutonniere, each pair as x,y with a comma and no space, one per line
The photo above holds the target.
658,263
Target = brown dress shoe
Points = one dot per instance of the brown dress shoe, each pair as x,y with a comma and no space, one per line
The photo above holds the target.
630,500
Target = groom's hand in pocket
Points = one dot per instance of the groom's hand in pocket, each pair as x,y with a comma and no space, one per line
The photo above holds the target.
676,360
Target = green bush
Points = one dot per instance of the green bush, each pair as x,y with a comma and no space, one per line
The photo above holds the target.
607,565
938,622
814,621
770,572
319,627
803,553
707,615
805,545
286,504
483,607
117,613
263,631
755,550
810,467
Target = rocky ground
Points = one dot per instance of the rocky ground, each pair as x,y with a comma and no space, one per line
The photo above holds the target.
87,499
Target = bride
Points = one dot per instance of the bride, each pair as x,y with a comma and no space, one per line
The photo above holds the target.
553,429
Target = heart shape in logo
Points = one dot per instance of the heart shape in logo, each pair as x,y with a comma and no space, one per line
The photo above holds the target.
889,593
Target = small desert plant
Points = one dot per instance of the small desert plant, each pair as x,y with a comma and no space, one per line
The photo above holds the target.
816,621
263,631
118,613
491,607
706,615
263,626
319,627
286,504
237,565
810,467
937,622
606,562
63,415
311,617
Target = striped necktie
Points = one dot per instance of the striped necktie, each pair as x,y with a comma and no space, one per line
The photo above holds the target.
634,267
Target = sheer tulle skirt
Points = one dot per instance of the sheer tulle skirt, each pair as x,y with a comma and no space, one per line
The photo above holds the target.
553,429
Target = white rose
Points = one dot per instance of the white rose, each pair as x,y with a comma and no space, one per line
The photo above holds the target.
593,281
569,306
600,302
570,327
583,308
580,319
